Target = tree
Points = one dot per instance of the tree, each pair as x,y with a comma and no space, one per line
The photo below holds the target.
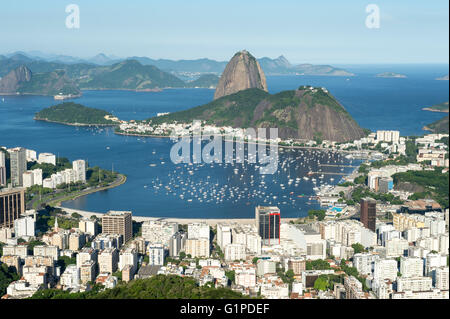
319,213
358,248
7,276
118,274
290,276
321,283
230,275
76,215
255,260
63,261
318,264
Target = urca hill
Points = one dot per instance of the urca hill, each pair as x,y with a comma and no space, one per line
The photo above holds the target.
305,113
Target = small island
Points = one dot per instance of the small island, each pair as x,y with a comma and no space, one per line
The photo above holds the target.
443,78
443,107
70,113
391,75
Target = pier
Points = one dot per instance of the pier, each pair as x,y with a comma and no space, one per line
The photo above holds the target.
328,173
334,165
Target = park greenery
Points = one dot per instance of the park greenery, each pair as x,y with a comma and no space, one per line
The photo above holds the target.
318,264
317,213
327,282
95,177
434,182
45,219
362,192
156,287
7,276
352,271
358,248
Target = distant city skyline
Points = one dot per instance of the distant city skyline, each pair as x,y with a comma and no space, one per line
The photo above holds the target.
322,32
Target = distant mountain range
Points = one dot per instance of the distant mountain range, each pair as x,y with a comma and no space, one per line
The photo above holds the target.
278,66
135,73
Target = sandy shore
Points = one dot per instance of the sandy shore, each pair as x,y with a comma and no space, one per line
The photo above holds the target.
211,222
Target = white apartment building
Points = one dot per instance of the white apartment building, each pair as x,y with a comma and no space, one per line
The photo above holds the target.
128,257
385,269
156,254
70,279
414,284
234,252
108,260
441,278
265,266
396,247
79,168
46,251
433,260
156,231
48,158
15,250
245,277
411,267
27,179
364,262
197,247
88,226
223,235
86,254
31,155
24,226
198,230
388,136
37,176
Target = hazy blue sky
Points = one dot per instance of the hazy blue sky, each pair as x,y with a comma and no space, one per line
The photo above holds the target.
321,31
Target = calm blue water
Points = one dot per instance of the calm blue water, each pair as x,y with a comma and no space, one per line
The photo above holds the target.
375,103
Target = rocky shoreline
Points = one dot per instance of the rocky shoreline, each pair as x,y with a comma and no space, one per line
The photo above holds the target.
434,110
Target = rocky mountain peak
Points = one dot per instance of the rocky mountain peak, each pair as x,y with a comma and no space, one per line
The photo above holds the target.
241,73
11,82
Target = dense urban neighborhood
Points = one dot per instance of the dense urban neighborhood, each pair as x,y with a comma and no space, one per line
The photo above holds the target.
382,233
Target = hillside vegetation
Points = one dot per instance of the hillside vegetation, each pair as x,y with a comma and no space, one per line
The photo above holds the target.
439,126
156,287
301,114
72,113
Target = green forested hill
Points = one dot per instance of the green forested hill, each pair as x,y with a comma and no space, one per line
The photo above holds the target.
302,114
156,287
204,81
130,75
52,83
72,113
440,126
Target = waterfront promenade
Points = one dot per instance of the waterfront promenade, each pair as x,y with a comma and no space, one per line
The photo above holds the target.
210,222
